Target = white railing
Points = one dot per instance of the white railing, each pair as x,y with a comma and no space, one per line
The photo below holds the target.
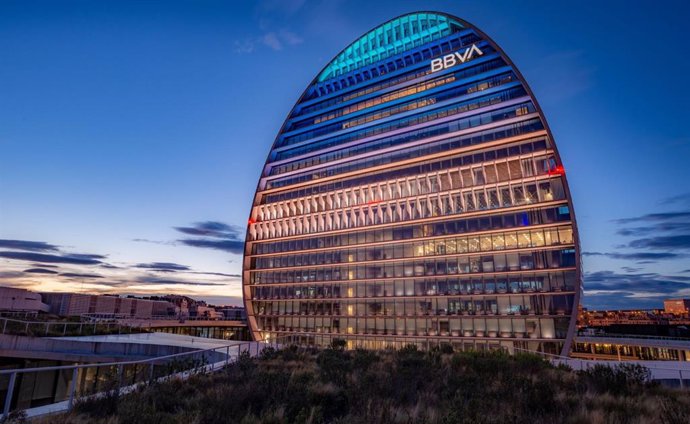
91,317
632,336
62,328
139,372
660,370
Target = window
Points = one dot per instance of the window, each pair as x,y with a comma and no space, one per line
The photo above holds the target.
526,261
512,261
479,176
487,263
500,263
565,235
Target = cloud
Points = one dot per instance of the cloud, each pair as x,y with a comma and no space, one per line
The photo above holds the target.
214,235
244,46
97,287
274,40
32,246
636,256
662,242
678,227
39,271
86,256
658,236
62,259
37,265
142,240
272,18
80,275
211,229
167,281
630,269
163,266
681,198
290,38
664,216
641,282
271,40
236,247
610,289
220,274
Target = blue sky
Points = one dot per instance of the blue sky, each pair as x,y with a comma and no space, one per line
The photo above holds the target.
132,134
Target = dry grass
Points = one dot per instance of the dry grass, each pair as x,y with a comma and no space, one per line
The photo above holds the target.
407,386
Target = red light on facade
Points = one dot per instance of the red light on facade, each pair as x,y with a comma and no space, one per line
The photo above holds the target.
373,202
252,221
557,170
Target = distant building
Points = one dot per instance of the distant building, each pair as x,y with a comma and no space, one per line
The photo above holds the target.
76,304
635,334
234,313
677,306
630,348
640,322
21,300
203,311
182,304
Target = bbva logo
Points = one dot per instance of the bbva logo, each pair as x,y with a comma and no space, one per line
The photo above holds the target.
455,58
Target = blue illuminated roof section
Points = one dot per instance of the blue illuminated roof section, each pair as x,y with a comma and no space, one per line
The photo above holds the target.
391,38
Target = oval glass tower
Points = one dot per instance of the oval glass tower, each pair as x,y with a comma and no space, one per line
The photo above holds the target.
414,195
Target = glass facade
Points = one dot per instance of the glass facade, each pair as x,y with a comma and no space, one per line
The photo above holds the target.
414,195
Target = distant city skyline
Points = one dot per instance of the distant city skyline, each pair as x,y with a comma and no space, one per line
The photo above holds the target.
131,134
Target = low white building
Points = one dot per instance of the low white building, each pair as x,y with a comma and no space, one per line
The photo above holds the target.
21,300
77,304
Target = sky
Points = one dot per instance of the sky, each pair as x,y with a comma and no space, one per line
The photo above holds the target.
132,133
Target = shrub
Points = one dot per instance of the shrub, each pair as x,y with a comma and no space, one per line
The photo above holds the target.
244,363
290,353
362,359
268,353
14,417
333,365
673,411
531,362
338,344
447,348
619,379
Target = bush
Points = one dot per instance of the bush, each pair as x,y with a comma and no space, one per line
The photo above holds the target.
268,353
290,353
244,364
14,417
619,379
363,359
447,348
333,365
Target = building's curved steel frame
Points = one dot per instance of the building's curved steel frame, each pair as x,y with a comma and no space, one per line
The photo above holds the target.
578,289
